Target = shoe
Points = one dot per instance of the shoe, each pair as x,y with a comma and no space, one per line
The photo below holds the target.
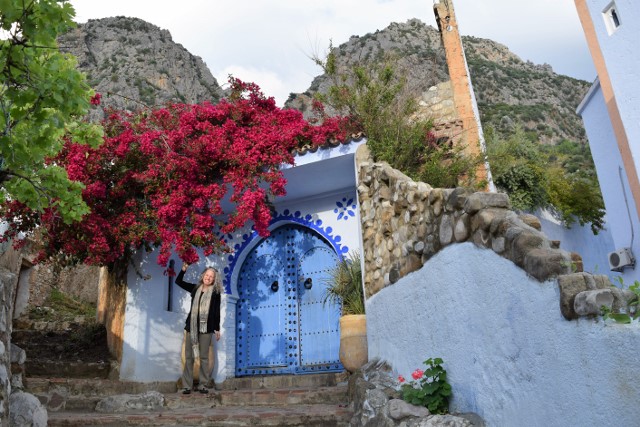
186,390
203,390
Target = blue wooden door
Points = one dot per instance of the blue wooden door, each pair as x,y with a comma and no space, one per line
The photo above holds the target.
282,324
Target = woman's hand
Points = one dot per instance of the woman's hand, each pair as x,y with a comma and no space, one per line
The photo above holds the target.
185,266
217,334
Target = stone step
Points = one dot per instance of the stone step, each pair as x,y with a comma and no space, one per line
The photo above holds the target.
316,415
45,368
326,379
106,387
267,397
50,325
84,394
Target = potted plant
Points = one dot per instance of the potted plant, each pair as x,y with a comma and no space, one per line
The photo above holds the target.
344,287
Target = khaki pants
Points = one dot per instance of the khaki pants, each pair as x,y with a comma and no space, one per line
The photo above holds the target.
204,375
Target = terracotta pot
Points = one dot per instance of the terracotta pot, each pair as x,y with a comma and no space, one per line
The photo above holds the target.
353,341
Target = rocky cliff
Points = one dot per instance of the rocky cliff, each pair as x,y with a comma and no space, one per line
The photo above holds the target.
133,63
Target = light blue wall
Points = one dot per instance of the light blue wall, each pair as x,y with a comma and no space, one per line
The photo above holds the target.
510,356
594,249
622,217
621,52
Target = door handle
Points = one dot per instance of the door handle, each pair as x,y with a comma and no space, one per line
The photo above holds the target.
308,283
274,286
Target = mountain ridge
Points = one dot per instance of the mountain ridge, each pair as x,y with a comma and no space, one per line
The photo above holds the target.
135,63
508,89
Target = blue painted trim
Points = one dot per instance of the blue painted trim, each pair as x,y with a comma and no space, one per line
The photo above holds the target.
286,217
345,208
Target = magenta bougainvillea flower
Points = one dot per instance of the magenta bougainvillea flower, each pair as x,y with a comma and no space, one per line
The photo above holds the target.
160,176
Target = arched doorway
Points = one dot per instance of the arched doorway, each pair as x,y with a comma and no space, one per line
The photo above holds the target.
282,326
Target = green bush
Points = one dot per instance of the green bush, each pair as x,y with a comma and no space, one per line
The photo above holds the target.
560,178
375,96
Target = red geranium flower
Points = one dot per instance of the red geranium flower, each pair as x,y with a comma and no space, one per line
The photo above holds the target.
417,374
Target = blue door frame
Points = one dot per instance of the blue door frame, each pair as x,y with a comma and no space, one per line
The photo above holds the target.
283,327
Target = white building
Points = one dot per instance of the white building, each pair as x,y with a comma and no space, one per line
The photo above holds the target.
274,320
611,115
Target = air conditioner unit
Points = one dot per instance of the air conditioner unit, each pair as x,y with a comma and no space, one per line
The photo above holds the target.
621,258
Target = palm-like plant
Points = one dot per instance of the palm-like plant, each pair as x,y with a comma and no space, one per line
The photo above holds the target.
344,285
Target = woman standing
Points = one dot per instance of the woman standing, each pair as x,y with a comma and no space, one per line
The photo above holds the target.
203,321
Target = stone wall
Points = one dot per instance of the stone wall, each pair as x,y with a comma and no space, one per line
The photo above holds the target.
7,284
437,101
405,223
35,282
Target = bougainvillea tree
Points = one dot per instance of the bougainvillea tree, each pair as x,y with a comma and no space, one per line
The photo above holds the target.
160,176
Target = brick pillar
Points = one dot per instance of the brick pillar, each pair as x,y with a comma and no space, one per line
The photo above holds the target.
463,96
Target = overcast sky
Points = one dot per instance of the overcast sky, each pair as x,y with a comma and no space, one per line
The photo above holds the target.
269,42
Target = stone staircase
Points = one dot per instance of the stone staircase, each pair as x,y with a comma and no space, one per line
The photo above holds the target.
306,400
68,369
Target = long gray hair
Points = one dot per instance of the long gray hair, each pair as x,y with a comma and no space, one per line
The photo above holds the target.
217,280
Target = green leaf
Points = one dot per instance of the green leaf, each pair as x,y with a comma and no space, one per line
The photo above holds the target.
620,317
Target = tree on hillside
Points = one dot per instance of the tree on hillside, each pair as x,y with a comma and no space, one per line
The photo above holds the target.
42,100
377,99
160,177
560,178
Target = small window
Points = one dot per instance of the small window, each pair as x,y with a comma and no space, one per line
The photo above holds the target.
611,17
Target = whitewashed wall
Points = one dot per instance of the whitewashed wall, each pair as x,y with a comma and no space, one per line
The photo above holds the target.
153,335
510,355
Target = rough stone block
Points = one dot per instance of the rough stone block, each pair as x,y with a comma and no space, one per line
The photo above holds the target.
485,218
399,409
394,275
461,230
588,303
18,355
446,230
26,411
523,244
576,262
531,220
545,263
126,402
571,285
411,263
457,199
498,245
503,220
621,298
477,201
481,238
